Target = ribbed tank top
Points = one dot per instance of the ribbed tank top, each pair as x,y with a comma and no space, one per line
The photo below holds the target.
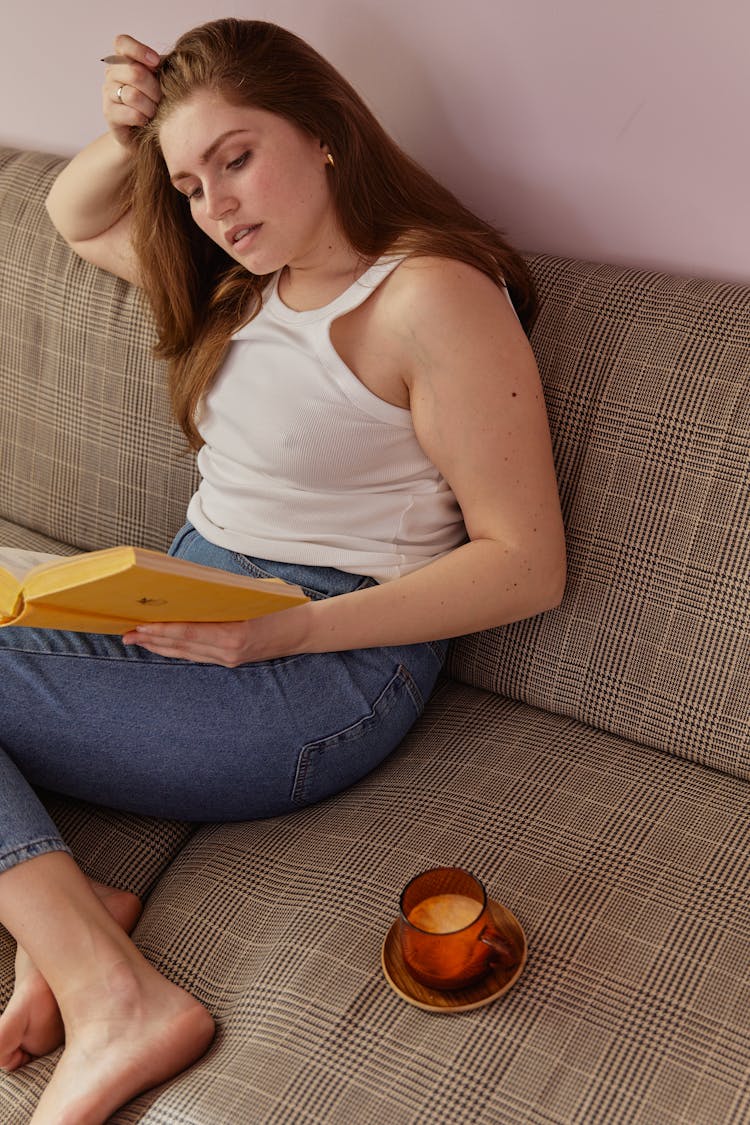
303,464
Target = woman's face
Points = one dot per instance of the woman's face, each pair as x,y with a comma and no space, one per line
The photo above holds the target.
257,184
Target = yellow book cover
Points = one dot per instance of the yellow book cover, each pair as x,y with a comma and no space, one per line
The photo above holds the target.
112,590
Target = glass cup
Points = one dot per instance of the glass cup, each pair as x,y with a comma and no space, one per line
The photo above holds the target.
448,939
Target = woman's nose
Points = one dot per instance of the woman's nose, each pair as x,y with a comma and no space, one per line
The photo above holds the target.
219,202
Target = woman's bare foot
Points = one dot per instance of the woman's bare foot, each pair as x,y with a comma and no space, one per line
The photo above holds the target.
31,1024
127,1028
137,1032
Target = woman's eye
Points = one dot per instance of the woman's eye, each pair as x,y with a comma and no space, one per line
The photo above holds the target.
194,194
238,163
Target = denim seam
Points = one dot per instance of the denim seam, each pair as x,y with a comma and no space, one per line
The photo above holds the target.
439,648
411,686
34,848
249,566
255,571
152,660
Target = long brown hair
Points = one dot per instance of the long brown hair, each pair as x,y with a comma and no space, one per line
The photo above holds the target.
385,201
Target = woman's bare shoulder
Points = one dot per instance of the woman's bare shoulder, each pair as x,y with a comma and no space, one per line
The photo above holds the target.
431,273
436,286
439,298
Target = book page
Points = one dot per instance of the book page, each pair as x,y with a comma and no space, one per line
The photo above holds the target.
19,562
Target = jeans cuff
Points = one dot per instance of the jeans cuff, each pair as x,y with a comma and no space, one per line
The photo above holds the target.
31,850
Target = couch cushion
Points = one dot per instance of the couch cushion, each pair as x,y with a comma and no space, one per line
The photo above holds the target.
75,343
647,380
626,867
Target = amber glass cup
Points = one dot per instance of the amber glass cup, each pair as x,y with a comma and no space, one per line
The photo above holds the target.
448,939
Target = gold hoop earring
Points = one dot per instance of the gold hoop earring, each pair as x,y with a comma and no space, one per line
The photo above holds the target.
330,160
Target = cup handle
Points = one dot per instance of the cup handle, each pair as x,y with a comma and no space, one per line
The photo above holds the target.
505,957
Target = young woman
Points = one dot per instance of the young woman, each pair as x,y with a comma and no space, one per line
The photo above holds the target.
347,355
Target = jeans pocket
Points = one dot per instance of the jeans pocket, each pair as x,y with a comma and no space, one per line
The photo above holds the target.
333,763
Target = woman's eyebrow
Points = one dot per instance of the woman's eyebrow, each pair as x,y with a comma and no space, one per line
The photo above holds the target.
206,156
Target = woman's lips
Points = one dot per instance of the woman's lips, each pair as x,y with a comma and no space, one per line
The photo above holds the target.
239,238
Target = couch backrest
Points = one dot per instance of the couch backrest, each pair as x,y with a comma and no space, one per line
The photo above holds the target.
647,379
88,452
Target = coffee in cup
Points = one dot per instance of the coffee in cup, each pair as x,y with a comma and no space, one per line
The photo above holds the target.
448,939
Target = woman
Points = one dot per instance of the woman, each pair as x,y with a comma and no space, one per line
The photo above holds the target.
346,359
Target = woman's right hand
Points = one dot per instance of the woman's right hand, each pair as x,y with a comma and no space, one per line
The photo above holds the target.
134,76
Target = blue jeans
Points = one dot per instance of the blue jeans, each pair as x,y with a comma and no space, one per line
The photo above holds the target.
88,717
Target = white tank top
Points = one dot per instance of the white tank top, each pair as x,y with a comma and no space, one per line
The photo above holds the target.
303,464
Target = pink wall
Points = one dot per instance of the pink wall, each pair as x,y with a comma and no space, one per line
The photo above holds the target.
614,130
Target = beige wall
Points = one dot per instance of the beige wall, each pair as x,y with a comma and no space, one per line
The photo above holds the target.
614,130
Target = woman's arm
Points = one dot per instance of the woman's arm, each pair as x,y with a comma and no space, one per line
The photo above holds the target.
87,202
479,413
87,205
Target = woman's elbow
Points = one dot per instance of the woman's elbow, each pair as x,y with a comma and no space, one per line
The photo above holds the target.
555,586
547,586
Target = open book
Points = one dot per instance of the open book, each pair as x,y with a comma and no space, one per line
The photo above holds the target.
110,591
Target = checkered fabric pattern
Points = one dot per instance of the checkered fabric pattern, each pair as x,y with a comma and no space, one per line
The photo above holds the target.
647,380
88,453
628,867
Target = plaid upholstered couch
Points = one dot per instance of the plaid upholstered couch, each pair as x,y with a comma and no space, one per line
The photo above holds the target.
591,764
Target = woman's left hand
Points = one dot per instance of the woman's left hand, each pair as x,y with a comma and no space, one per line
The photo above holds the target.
228,643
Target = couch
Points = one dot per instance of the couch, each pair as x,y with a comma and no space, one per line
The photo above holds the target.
590,764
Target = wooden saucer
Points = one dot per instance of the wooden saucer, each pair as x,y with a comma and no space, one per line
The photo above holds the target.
497,981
